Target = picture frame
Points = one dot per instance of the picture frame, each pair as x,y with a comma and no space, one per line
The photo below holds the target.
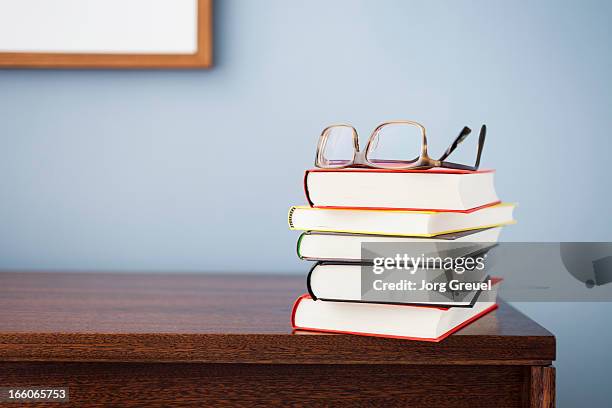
201,58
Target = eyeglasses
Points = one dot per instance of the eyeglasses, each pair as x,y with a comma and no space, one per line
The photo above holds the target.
400,144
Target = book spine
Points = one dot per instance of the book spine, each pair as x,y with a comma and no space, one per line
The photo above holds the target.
299,244
290,217
308,286
306,192
294,309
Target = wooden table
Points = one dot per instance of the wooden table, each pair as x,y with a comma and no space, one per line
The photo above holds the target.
207,340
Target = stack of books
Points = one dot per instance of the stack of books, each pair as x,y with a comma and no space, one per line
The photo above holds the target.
352,208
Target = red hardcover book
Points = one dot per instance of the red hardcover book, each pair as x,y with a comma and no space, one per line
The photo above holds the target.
411,322
436,189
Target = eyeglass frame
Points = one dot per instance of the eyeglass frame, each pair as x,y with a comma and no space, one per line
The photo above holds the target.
424,161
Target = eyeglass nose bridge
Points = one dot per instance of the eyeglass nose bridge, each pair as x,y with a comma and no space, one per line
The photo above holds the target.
360,158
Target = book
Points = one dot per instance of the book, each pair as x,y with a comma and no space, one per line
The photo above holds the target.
342,282
426,323
337,246
397,222
432,189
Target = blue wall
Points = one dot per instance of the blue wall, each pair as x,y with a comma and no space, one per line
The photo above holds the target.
194,171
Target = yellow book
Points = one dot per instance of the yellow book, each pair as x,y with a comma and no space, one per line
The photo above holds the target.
398,222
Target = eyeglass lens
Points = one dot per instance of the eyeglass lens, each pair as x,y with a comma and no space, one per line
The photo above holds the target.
338,148
395,145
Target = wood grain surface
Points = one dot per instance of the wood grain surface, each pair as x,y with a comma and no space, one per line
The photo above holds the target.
87,317
542,387
248,385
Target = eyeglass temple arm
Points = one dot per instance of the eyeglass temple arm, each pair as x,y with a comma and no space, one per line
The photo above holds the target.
481,141
462,135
